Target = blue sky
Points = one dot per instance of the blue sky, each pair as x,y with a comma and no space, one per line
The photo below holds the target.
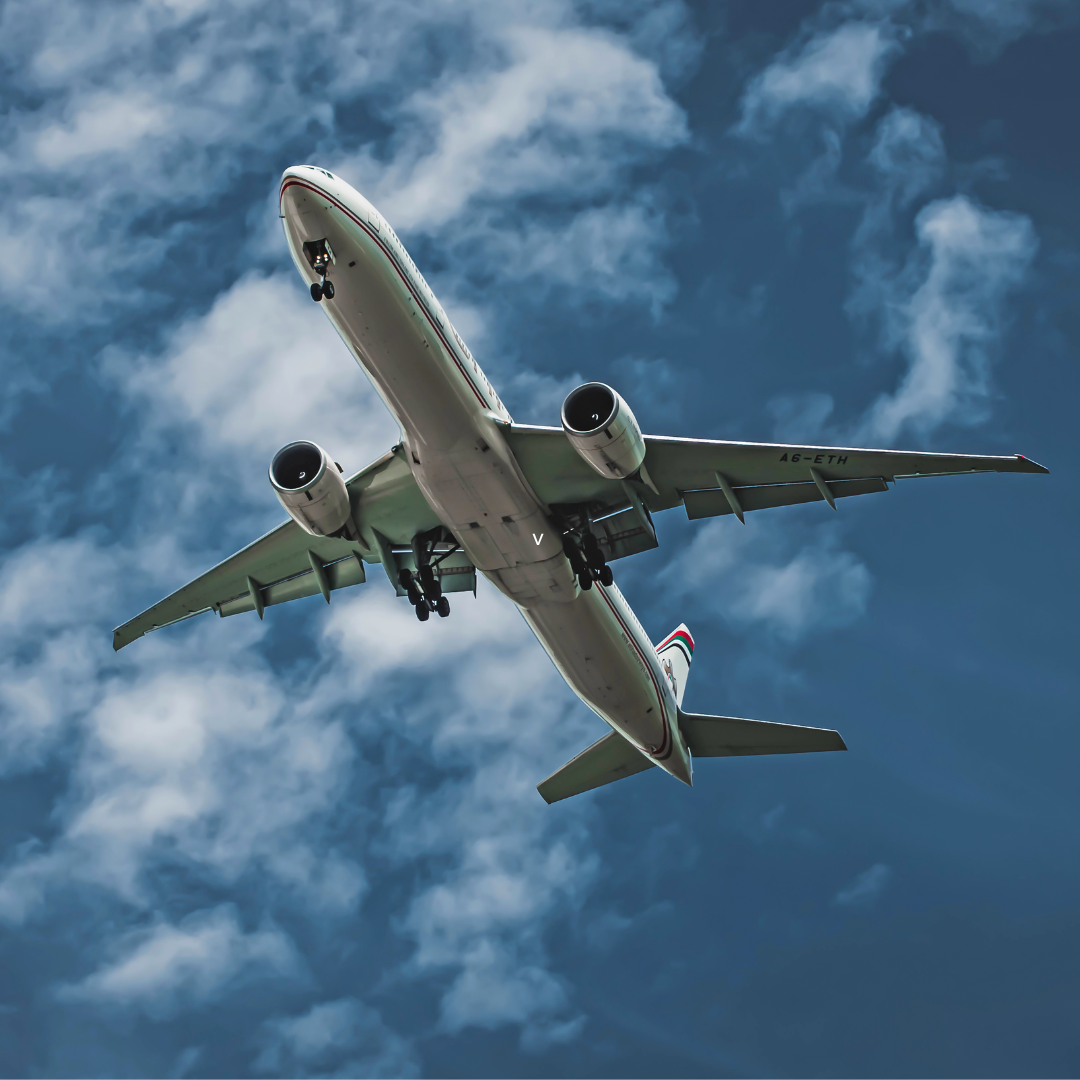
312,845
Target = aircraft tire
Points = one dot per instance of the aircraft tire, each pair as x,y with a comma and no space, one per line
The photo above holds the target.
328,290
585,580
423,613
442,606
316,291
605,577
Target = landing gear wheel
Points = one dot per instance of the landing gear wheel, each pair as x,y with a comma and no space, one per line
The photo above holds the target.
605,576
442,606
591,548
423,612
585,580
328,290
316,291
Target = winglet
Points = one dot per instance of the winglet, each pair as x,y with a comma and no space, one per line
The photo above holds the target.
1031,466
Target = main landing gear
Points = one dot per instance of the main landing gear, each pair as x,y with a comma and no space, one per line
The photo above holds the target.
425,593
423,588
587,560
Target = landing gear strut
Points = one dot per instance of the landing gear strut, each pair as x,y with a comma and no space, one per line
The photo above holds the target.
424,588
587,560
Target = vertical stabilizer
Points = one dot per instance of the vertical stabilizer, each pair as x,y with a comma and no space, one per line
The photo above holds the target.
675,653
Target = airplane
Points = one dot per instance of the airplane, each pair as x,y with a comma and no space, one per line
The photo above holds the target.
541,512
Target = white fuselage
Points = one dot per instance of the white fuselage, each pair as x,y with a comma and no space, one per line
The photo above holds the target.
452,425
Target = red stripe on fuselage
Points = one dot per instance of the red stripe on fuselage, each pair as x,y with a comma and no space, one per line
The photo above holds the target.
294,182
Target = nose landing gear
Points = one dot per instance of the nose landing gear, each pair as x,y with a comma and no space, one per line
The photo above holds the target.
319,256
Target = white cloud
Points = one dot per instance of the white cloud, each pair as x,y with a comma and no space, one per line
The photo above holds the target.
157,111
167,968
987,26
498,726
336,1038
760,574
495,988
939,303
565,110
612,252
908,154
262,367
837,72
174,770
866,887
949,323
107,123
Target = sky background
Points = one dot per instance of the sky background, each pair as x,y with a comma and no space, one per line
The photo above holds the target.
312,845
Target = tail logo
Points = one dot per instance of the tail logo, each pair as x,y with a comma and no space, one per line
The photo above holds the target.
669,672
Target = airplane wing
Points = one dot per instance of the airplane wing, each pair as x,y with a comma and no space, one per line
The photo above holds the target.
288,563
714,477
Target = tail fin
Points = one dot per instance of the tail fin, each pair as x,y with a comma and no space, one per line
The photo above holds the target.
675,653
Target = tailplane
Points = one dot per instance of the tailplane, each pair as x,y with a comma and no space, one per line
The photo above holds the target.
675,653
612,757
731,736
607,760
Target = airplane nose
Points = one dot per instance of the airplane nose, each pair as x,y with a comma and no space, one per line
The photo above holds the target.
295,172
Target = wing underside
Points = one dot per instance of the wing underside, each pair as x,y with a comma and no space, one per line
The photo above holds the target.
708,478
714,477
288,563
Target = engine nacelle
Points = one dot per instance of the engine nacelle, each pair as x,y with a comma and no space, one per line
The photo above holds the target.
311,488
603,430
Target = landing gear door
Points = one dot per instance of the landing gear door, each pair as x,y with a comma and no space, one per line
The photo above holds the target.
319,254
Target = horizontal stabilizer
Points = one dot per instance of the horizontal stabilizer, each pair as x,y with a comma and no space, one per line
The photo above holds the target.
608,760
730,736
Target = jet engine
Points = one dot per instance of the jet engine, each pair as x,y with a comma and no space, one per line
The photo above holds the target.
311,488
603,430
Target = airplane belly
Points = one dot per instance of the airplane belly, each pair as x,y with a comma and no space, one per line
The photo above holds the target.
499,523
608,663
